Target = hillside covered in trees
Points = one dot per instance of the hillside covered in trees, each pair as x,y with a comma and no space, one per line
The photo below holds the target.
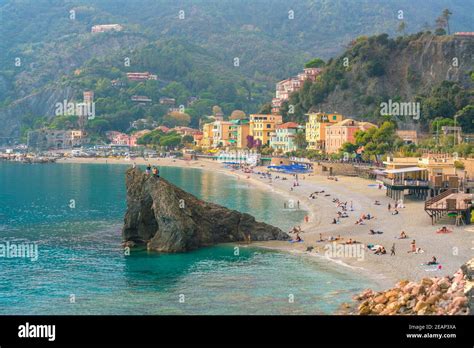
228,53
436,71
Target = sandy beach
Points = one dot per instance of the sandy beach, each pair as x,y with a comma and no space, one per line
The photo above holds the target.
450,249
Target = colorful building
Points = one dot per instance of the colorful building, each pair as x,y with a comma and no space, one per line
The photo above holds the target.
284,137
343,132
206,140
221,133
240,130
286,87
45,139
316,128
262,127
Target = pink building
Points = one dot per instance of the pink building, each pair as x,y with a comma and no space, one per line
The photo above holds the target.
343,132
286,87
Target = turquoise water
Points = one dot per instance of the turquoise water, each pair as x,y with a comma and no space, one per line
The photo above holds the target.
74,214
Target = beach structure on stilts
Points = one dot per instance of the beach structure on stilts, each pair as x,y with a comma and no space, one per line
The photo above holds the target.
411,180
450,203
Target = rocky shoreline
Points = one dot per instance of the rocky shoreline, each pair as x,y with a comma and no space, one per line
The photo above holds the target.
450,295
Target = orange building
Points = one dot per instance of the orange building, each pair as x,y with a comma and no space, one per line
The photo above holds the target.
344,132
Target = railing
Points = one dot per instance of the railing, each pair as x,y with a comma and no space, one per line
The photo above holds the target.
432,202
398,182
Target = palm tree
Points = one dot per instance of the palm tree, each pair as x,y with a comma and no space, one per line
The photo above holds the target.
300,140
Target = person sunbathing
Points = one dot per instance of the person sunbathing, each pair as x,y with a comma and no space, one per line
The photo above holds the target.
298,238
377,203
433,261
395,212
380,251
444,229
413,247
403,235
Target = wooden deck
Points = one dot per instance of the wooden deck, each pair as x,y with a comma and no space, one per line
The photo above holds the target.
462,201
450,201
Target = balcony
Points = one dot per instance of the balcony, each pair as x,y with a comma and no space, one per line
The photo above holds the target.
405,183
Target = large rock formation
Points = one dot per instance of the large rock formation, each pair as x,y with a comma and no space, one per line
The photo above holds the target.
168,219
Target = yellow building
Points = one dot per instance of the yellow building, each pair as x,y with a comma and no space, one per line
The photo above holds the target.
221,133
240,130
262,126
316,128
207,139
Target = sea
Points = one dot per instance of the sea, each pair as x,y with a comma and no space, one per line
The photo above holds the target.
73,214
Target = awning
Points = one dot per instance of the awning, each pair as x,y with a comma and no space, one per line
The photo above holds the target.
404,170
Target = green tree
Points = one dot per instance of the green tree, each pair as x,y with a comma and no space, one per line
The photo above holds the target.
315,63
300,140
446,15
175,118
349,148
170,140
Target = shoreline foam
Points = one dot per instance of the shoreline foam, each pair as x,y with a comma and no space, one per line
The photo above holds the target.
451,250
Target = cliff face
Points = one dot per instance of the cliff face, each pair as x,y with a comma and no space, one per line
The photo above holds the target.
411,69
37,85
169,219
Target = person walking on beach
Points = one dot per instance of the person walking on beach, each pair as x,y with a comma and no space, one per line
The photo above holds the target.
389,207
298,204
392,250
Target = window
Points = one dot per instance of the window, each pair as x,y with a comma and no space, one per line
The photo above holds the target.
269,126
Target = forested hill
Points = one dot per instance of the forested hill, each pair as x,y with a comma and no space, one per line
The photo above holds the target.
271,39
436,71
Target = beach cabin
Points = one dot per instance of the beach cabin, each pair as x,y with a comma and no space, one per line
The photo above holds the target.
408,181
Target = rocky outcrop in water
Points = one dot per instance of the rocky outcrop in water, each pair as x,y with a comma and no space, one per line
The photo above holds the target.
452,295
168,219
